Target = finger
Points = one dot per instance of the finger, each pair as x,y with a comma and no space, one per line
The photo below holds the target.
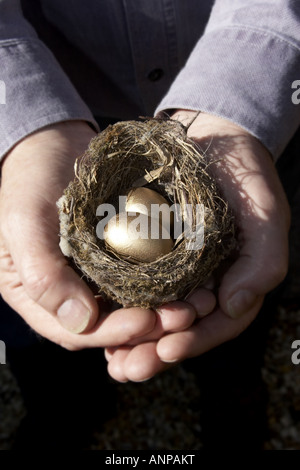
249,182
56,287
112,329
203,301
176,316
261,266
45,274
209,332
255,194
137,364
116,363
173,316
29,222
109,352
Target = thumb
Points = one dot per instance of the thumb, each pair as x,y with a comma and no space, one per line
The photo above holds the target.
55,286
260,267
34,174
45,274
249,182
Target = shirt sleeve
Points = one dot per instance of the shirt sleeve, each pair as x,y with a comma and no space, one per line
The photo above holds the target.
34,90
243,68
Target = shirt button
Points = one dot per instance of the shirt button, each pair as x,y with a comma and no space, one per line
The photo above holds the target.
155,74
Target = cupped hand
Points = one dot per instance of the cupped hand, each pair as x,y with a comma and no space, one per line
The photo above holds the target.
35,278
249,182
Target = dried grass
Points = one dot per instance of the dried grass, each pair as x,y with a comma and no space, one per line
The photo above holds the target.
134,153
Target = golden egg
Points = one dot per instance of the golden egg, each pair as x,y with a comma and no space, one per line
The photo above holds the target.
137,238
149,202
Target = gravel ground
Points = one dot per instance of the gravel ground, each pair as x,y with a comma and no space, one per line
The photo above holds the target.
283,381
161,425
11,407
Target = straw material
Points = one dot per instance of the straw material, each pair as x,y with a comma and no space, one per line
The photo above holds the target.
156,154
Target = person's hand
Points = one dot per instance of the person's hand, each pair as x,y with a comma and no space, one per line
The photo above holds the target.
35,279
248,180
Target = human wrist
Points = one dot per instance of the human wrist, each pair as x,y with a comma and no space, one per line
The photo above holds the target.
206,123
206,129
60,142
63,134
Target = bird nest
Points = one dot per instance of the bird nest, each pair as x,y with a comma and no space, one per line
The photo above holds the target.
156,154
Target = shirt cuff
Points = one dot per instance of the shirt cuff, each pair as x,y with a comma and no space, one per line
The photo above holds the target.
35,92
245,76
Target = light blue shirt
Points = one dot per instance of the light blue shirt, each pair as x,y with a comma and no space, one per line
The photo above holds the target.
122,59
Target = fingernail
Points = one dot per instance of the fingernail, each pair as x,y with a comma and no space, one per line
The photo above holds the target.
240,303
144,380
73,315
169,361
